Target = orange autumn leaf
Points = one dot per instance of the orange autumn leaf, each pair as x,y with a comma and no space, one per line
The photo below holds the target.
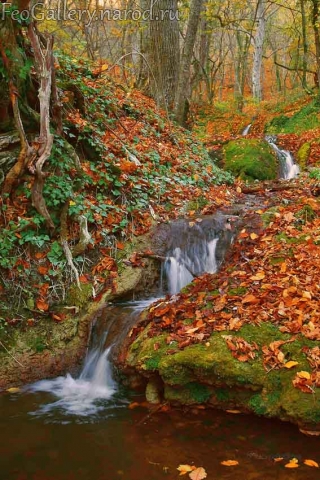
311,463
42,305
259,276
230,463
83,279
198,474
291,364
43,270
184,469
250,299
292,464
40,255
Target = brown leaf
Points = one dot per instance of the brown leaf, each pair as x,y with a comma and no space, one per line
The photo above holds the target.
198,474
230,463
250,299
42,305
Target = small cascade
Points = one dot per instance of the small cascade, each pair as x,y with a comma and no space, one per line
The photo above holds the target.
81,396
288,167
196,248
246,130
94,390
193,248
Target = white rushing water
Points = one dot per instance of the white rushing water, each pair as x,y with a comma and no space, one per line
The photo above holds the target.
288,167
183,264
80,396
247,130
95,387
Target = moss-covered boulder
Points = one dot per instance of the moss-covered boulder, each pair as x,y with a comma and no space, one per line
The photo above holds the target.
303,155
250,159
208,373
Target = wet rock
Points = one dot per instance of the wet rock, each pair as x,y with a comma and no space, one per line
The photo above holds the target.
154,391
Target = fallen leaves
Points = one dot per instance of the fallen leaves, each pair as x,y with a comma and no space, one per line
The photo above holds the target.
240,348
230,463
291,364
198,474
195,473
307,382
293,463
106,264
274,358
42,305
311,463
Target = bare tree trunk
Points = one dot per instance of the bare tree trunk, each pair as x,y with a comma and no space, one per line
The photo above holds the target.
305,44
163,52
258,50
184,72
43,63
315,18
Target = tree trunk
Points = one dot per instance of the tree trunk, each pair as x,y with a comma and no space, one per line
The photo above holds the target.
163,52
305,44
258,50
315,18
184,72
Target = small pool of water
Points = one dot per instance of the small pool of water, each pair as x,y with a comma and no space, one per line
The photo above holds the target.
117,442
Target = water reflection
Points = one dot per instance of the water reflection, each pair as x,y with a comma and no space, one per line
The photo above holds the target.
121,443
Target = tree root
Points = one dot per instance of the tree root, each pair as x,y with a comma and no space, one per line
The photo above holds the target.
85,237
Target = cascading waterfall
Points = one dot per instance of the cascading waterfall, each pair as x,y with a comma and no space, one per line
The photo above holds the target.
246,130
288,167
194,251
95,387
195,247
81,396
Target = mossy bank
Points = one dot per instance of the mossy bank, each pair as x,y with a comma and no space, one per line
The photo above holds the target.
250,159
209,374
52,347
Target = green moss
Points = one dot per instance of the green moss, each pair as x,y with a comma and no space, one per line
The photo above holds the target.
303,155
283,237
222,394
238,291
276,260
38,344
197,204
198,392
201,373
257,404
269,215
306,214
305,119
77,297
251,159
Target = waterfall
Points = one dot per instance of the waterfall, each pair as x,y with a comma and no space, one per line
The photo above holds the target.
194,247
193,252
81,396
246,130
94,389
288,167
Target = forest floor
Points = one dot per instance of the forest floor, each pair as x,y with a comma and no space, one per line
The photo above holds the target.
125,167
260,312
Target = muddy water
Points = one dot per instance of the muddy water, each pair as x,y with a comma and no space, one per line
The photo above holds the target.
120,443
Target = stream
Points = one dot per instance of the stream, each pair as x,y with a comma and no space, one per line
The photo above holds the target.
90,427
288,168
